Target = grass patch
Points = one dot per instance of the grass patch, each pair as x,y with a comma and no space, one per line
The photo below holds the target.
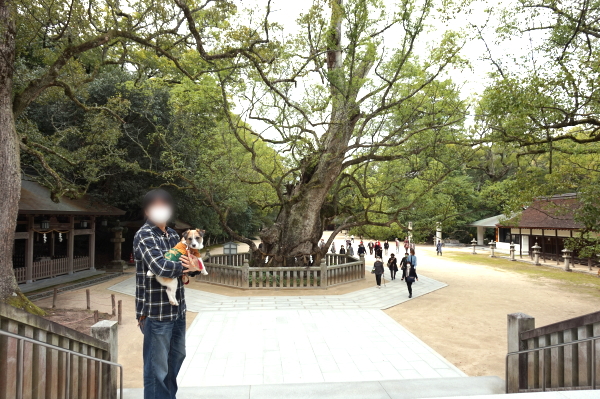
580,282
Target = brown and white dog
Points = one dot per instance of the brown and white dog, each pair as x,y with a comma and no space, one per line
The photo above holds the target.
191,243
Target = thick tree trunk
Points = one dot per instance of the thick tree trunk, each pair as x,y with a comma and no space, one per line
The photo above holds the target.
299,226
10,174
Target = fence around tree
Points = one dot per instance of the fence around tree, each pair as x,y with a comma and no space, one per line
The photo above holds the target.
235,271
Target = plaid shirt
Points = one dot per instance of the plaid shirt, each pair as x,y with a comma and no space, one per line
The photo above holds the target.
149,246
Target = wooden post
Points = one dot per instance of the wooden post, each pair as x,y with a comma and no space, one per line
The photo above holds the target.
87,298
120,312
29,251
54,298
516,372
114,304
92,244
245,274
71,244
323,273
96,317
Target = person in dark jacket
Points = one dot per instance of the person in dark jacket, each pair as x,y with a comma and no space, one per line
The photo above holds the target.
386,246
361,250
409,274
378,266
370,245
342,250
393,266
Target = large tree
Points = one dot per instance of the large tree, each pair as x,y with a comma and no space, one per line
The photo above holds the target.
357,91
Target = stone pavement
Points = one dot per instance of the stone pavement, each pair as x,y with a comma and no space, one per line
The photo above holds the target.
255,341
240,347
64,279
384,389
394,293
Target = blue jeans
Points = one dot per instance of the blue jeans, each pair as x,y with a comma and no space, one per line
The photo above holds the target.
164,351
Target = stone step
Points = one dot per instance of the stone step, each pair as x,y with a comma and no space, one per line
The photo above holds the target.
394,389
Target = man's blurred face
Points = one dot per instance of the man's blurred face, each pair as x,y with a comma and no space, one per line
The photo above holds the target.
159,212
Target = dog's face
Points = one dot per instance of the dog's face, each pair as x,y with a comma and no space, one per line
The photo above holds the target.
193,238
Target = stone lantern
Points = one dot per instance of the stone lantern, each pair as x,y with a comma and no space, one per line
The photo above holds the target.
567,255
536,253
230,249
474,243
492,245
117,264
512,251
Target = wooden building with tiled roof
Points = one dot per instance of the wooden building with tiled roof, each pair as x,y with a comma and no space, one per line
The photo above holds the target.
547,222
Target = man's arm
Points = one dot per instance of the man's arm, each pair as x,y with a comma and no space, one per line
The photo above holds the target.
154,258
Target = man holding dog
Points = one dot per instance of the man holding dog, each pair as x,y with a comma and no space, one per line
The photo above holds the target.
162,324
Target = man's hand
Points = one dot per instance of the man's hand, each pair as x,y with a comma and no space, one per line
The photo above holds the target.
186,263
190,262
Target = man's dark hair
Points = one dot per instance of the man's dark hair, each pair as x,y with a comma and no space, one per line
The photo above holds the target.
158,194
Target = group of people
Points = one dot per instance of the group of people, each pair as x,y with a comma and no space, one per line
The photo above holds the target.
408,268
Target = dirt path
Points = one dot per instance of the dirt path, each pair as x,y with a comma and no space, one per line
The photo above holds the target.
466,321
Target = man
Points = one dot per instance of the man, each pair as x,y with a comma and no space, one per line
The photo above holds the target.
162,324
361,249
370,245
438,248
321,243
397,245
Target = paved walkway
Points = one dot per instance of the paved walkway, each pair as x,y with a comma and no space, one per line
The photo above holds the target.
383,389
394,293
263,340
294,346
64,279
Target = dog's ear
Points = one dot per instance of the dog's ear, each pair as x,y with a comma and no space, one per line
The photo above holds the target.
200,232
185,234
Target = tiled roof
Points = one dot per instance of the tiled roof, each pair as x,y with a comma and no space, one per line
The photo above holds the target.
548,213
35,199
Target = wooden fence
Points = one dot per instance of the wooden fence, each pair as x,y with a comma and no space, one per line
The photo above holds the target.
52,268
45,370
334,270
571,360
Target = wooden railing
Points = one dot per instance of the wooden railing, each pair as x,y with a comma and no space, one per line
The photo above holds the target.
333,270
42,359
21,274
559,356
230,260
81,263
51,268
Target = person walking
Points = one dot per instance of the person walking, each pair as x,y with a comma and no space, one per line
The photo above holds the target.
370,245
361,249
378,271
342,250
406,244
393,266
333,247
352,238
397,245
162,324
412,259
409,274
386,247
350,250
321,243
438,248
